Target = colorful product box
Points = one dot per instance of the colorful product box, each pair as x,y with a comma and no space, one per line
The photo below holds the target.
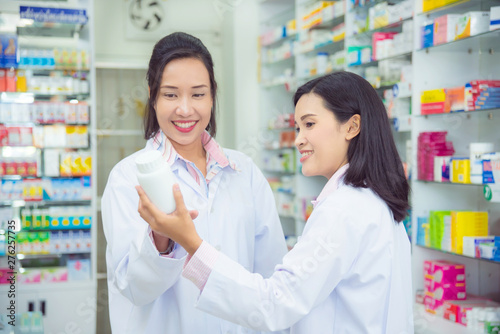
444,272
442,292
467,224
30,275
442,169
427,35
460,170
377,37
8,57
79,269
472,23
494,18
471,245
456,310
444,28
55,274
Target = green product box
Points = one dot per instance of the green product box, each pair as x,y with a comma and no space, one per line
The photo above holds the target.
26,219
436,224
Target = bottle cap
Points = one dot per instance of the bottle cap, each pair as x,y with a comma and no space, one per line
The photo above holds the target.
149,161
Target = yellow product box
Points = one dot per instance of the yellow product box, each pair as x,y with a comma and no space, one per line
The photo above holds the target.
434,95
65,166
460,170
428,5
467,224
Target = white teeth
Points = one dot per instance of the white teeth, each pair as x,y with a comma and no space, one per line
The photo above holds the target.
306,153
184,125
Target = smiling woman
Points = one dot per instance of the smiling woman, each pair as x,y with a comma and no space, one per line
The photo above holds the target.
146,290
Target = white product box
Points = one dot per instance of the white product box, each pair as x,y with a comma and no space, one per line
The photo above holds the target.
495,18
472,23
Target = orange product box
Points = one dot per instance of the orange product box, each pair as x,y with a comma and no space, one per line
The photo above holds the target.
3,80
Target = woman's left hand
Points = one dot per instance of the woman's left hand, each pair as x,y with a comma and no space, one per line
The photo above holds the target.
178,225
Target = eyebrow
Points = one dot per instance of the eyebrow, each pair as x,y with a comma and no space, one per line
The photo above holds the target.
307,115
173,87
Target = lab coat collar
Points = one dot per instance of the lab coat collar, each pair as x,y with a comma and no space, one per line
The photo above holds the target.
160,142
331,185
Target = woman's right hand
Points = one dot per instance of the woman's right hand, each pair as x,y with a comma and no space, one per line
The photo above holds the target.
177,226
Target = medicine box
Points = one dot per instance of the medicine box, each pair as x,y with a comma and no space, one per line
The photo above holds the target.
444,272
471,245
442,292
427,35
467,224
495,17
460,170
444,28
472,23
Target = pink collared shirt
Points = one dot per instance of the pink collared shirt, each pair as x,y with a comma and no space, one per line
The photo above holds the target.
198,267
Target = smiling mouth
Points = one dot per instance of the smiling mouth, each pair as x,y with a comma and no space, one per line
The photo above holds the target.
184,125
305,155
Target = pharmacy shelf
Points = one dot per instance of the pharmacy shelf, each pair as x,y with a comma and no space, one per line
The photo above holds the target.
278,41
330,46
453,183
329,23
427,323
462,113
485,42
47,256
456,254
21,203
279,148
124,64
30,97
54,69
288,60
459,7
375,62
369,4
54,30
390,26
38,287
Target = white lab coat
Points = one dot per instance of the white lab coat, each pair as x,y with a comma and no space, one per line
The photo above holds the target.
349,273
147,293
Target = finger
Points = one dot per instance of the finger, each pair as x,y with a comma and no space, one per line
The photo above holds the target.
193,214
179,200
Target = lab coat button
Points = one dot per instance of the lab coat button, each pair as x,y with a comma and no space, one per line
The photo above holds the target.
218,248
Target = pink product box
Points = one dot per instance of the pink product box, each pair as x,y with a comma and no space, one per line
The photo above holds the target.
444,272
444,292
456,310
55,274
433,306
377,37
4,275
30,276
444,28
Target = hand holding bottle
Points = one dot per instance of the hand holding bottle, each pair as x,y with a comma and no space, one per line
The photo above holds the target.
178,225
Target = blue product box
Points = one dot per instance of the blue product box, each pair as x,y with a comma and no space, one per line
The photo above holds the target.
428,35
9,57
78,269
421,221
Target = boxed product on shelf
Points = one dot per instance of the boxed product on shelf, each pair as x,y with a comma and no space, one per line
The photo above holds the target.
490,168
78,269
379,44
443,100
378,16
400,11
467,224
427,34
472,23
478,153
430,145
357,55
495,18
460,170
442,168
459,310
482,94
471,245
8,54
445,291
67,189
437,223
30,275
444,28
428,5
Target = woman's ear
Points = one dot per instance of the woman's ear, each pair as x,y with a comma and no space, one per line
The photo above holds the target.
353,127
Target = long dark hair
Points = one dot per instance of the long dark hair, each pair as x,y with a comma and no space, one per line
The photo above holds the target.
373,159
177,45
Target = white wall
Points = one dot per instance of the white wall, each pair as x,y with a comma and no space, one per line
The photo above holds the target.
201,18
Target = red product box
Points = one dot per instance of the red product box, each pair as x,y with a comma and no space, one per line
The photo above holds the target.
3,80
456,310
10,80
444,272
433,306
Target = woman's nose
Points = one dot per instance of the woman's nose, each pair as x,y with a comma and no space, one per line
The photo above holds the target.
184,107
299,140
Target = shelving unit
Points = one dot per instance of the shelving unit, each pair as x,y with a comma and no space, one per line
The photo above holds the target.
58,283
280,79
446,65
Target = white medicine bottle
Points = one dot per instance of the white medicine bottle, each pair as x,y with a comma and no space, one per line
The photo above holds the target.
156,178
